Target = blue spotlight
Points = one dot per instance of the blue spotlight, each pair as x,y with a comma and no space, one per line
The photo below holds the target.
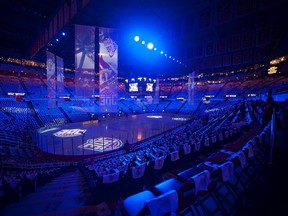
155,48
161,52
150,45
57,39
136,38
63,33
143,42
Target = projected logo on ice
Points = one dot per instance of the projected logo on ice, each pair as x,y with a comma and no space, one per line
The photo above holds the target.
70,133
102,144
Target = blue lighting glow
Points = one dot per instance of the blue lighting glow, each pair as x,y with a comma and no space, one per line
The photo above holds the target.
150,45
136,38
150,41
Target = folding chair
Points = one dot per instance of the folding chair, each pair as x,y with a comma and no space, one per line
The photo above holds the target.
134,204
174,160
194,188
222,175
134,180
147,203
240,183
185,199
109,186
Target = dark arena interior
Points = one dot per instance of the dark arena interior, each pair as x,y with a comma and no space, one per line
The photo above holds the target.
144,107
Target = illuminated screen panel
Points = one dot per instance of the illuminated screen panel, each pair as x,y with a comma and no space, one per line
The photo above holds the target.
51,79
84,61
191,88
60,78
84,47
156,93
149,87
108,70
133,87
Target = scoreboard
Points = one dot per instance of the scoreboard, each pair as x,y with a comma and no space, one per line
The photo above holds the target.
140,86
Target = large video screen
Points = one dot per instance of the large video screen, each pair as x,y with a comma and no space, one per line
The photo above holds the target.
149,87
133,87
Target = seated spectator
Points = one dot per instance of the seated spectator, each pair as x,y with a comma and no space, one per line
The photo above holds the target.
267,110
127,146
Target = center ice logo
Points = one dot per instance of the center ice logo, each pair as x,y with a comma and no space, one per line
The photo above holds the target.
70,133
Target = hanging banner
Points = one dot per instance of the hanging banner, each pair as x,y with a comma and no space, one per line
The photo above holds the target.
156,95
108,70
84,62
51,79
60,79
191,88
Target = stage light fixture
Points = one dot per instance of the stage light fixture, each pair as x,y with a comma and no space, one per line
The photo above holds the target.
63,33
136,38
150,45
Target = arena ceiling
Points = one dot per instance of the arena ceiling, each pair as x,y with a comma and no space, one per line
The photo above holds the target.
21,22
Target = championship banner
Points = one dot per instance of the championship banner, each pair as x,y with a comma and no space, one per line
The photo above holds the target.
108,70
84,61
60,79
156,95
191,88
51,79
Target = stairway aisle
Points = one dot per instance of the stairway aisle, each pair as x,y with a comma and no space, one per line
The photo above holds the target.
66,195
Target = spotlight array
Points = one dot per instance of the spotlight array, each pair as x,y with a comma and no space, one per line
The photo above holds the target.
63,34
136,38
151,46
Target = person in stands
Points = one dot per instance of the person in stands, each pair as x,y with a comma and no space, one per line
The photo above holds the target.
267,110
127,146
